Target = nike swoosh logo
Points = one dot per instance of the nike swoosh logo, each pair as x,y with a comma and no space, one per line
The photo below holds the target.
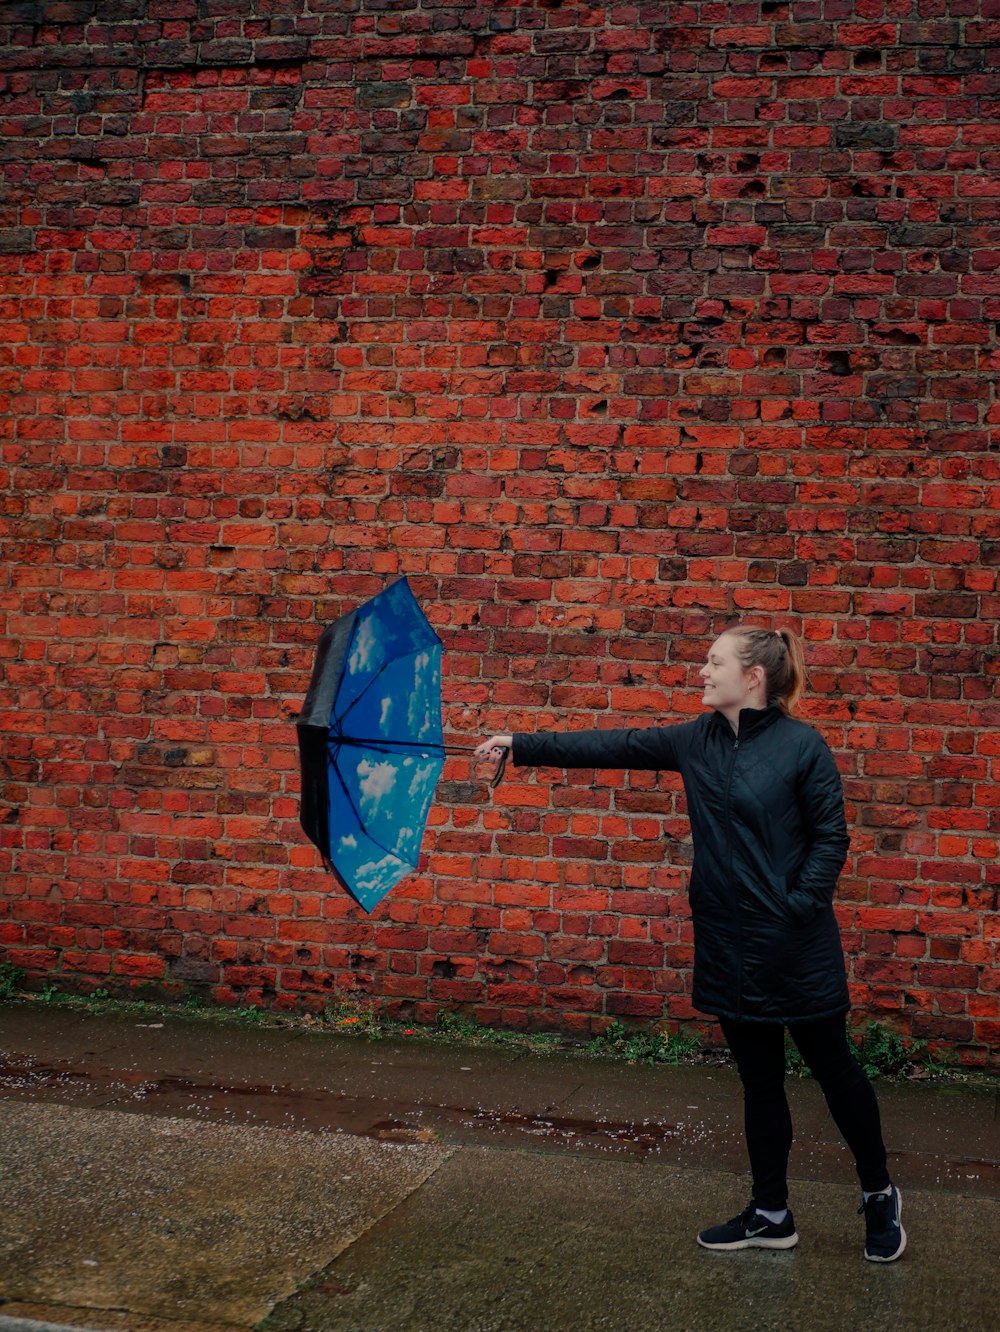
759,1231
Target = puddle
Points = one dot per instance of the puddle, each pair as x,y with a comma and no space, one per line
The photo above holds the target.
691,1141
327,1111
649,1136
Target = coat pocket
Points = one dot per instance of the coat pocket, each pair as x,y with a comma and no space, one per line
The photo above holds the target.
801,907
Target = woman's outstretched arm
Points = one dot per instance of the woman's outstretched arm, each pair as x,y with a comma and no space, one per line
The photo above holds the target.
654,748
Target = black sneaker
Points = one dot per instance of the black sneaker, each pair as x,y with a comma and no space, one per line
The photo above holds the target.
750,1230
885,1238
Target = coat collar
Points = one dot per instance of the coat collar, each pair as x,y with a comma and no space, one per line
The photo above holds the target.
752,721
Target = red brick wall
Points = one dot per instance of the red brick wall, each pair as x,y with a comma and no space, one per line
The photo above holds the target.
603,324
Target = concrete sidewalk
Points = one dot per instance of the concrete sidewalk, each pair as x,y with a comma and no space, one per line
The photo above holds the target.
178,1174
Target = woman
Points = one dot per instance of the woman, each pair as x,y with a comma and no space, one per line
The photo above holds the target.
767,819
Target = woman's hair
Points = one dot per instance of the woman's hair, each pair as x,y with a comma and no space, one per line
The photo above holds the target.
779,652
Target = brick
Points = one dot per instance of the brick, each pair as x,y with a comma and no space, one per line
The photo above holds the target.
307,319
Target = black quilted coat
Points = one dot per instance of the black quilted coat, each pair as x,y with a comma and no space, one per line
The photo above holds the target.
767,819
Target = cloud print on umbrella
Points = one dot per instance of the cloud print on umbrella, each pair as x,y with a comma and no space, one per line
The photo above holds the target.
405,697
373,712
392,799
387,632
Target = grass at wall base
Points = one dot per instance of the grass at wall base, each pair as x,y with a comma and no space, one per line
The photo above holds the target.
882,1052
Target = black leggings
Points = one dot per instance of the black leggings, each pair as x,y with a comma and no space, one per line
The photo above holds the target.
759,1051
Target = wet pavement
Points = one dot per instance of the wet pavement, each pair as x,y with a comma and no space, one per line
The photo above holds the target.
181,1174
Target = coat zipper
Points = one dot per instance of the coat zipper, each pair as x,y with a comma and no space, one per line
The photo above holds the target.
736,902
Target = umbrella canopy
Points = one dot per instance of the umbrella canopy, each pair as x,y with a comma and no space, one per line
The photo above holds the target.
370,742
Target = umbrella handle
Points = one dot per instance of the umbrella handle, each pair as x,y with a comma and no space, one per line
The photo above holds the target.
495,779
471,749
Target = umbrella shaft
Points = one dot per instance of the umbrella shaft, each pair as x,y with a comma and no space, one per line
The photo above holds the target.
389,746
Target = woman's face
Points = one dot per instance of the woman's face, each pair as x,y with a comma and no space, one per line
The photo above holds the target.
727,684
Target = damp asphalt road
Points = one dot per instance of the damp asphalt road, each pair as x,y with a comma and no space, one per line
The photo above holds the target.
180,1175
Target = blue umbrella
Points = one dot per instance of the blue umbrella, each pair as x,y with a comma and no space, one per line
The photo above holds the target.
370,742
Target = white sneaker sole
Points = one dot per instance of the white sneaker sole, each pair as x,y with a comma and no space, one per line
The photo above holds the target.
787,1242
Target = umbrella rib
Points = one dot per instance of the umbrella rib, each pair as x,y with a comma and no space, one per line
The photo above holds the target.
361,823
375,678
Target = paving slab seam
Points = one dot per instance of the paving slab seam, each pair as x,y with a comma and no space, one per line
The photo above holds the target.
32,1325
369,1233
113,1319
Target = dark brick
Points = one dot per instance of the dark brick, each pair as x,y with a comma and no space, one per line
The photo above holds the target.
373,95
